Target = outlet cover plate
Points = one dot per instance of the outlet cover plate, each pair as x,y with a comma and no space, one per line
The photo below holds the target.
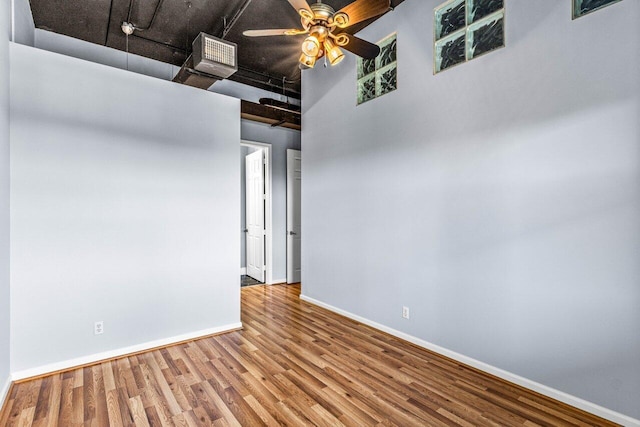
405,312
98,328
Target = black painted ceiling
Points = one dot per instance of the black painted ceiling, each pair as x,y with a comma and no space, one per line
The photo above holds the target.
166,28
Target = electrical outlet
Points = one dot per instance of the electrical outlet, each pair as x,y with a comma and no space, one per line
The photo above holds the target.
98,328
405,312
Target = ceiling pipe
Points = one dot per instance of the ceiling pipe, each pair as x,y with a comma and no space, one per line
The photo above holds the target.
267,81
285,106
153,17
106,36
235,18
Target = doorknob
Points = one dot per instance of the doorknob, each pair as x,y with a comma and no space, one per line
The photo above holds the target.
246,230
293,233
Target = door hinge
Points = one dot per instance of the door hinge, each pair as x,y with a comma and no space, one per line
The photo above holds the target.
264,268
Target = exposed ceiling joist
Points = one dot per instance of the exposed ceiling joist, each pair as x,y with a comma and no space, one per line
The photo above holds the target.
165,30
270,115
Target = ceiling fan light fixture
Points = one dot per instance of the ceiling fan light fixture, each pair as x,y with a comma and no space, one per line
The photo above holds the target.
307,60
311,46
306,14
334,53
322,26
322,12
341,20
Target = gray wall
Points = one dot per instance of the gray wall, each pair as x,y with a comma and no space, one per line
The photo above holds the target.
5,30
499,200
124,212
280,139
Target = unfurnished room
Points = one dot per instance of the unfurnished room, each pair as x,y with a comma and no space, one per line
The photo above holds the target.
319,213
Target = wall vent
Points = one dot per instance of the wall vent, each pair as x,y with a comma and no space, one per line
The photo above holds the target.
214,56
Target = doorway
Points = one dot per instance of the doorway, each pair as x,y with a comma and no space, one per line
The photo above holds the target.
294,229
256,213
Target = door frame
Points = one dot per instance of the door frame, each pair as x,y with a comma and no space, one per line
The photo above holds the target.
268,222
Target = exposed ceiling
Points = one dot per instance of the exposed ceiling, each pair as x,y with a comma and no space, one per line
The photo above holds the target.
166,29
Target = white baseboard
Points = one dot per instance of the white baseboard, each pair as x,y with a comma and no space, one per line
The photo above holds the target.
86,360
4,392
505,375
277,281
243,271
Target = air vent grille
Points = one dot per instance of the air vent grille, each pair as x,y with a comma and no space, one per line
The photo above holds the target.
219,52
215,56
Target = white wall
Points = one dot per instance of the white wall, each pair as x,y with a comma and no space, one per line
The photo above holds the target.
22,20
248,93
280,139
499,200
81,49
124,208
5,31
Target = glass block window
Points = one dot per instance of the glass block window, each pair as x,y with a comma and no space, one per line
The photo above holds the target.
379,75
466,29
583,7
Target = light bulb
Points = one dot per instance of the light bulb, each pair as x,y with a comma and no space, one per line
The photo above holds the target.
311,46
307,61
334,53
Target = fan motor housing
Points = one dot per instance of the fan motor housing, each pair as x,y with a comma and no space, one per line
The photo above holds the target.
322,11
215,56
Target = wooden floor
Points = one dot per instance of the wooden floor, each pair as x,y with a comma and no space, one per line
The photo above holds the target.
293,364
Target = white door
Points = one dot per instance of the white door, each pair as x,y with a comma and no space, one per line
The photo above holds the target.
294,181
255,215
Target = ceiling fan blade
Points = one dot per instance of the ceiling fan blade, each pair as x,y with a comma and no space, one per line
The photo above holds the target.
299,5
361,10
360,47
263,33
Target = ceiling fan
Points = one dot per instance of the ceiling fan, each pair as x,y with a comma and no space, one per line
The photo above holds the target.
326,28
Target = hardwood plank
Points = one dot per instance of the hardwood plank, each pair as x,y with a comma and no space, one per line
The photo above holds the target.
102,416
264,414
152,398
42,402
26,417
137,410
66,404
113,409
51,417
6,411
293,364
88,402
79,406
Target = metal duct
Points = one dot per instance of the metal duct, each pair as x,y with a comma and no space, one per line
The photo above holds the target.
215,56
